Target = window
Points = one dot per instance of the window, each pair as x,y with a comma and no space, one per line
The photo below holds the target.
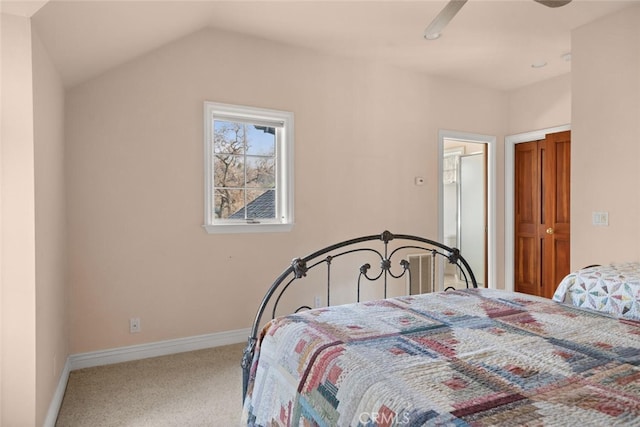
248,169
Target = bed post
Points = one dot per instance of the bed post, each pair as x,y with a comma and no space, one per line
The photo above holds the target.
247,358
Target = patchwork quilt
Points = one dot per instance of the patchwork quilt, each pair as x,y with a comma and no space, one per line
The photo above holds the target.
613,289
473,357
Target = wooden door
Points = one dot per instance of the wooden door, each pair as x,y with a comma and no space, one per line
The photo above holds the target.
542,214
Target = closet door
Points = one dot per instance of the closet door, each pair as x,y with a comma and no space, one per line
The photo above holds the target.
542,214
527,219
555,229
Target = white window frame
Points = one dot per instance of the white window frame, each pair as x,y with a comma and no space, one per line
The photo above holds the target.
284,122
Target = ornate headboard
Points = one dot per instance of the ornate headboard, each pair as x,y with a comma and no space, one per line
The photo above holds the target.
391,250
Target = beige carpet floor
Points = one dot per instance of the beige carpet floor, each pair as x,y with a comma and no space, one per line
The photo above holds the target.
199,388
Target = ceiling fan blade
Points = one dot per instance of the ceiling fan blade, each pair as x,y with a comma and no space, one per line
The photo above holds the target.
553,3
434,30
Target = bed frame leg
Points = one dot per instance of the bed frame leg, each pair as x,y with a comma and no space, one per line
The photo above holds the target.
247,358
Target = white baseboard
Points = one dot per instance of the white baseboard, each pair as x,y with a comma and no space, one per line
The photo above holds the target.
56,401
159,348
136,352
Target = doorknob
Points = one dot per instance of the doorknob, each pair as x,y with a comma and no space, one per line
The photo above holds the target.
550,230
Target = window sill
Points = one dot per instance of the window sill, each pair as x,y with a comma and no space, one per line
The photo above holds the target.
247,228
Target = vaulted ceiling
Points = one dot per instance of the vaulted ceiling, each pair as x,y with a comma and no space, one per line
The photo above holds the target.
489,43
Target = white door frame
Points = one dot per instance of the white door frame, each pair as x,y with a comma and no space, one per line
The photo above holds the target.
491,195
509,175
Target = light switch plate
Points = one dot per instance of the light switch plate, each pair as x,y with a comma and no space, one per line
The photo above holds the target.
600,218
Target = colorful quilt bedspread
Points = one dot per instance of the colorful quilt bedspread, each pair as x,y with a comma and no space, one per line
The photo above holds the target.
613,289
471,357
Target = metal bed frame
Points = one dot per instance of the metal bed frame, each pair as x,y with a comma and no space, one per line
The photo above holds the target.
301,266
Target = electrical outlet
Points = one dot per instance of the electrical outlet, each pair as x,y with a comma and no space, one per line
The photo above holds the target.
317,302
134,325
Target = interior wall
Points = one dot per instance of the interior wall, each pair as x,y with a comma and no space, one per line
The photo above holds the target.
605,135
135,177
50,228
17,212
540,106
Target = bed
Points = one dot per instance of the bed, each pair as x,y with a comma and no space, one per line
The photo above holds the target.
613,289
469,356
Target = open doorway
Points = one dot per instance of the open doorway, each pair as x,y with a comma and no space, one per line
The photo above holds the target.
467,203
